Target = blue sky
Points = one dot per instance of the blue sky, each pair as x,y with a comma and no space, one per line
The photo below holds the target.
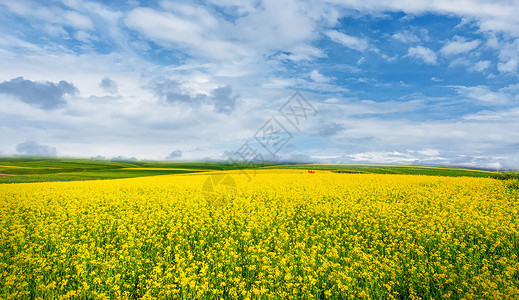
429,82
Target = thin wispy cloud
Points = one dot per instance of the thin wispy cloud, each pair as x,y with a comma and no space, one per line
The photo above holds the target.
356,43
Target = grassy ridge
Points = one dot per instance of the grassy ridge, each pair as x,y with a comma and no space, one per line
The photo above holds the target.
48,169
394,169
90,175
18,170
26,166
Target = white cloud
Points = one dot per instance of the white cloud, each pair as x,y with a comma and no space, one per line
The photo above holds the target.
383,157
508,56
108,85
429,152
50,14
174,155
9,42
490,16
459,45
460,61
276,24
385,140
508,67
172,30
77,20
55,30
32,148
405,37
287,27
492,41
494,116
84,37
45,95
481,66
355,43
318,77
399,157
483,116
425,54
483,94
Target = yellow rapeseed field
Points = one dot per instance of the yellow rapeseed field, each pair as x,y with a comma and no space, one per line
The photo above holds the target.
283,234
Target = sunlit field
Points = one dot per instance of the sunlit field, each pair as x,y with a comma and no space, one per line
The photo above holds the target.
280,233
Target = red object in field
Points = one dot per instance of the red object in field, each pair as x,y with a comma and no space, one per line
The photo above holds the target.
311,171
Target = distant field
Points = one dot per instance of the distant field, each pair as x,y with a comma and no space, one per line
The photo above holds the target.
396,169
18,170
45,170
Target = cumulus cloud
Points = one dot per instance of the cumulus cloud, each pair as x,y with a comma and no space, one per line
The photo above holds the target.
508,56
223,99
42,94
405,37
32,148
458,62
424,54
295,158
174,155
481,66
123,158
108,85
327,130
459,45
508,67
172,91
258,30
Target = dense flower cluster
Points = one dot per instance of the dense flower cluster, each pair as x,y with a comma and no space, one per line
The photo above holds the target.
285,234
